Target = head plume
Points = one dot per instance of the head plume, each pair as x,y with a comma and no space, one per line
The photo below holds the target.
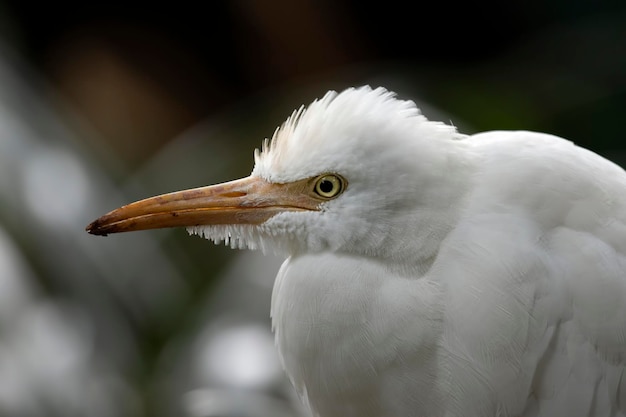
333,123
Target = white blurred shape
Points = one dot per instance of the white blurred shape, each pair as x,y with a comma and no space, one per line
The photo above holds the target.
15,279
63,337
227,403
13,395
43,356
55,186
240,356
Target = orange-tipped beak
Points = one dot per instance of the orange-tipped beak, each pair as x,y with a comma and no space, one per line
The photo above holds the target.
249,200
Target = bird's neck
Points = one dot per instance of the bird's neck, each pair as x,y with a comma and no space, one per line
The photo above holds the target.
411,238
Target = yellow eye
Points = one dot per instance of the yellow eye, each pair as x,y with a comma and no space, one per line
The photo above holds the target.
329,186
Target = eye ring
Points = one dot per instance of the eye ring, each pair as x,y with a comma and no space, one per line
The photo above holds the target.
329,186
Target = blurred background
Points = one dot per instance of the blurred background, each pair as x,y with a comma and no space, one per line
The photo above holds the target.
102,104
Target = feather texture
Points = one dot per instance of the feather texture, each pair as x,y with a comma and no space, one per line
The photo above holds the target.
474,276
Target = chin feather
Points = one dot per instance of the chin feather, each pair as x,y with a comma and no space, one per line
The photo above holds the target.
235,236
240,237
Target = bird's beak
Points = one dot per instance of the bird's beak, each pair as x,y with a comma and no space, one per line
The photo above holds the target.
248,200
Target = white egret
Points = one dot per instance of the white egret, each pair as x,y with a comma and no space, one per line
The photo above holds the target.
428,273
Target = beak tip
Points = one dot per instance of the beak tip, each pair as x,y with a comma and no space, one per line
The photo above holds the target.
94,228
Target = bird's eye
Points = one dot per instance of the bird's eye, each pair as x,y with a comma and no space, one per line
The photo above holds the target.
329,186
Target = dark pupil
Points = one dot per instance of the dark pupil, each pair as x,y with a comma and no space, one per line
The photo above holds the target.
326,186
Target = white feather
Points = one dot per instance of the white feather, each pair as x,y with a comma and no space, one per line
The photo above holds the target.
456,276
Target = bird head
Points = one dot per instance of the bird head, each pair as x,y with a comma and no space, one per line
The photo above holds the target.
353,172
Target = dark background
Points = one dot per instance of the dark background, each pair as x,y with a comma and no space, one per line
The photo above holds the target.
559,65
105,103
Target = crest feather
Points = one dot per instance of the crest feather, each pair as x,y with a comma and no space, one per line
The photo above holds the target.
334,119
